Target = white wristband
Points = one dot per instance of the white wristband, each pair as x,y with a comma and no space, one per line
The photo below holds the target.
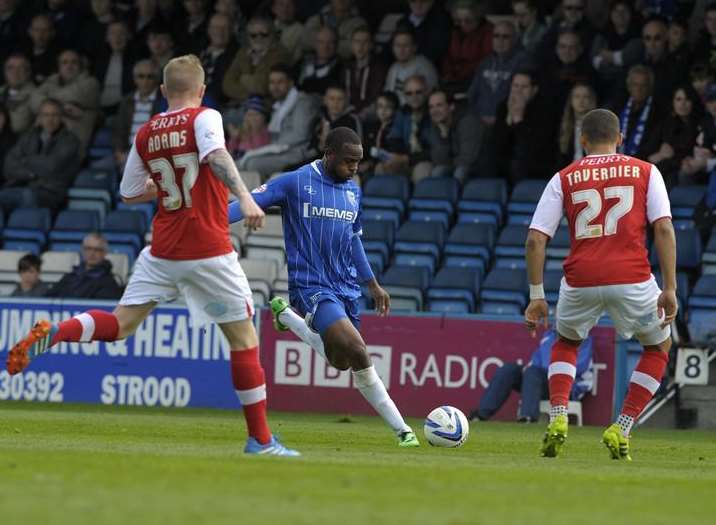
536,291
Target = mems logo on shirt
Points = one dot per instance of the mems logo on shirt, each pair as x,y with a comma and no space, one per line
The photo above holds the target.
310,212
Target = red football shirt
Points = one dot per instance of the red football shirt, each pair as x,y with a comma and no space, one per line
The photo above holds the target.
608,201
192,219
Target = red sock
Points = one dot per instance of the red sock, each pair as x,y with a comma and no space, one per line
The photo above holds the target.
645,381
250,385
93,325
562,369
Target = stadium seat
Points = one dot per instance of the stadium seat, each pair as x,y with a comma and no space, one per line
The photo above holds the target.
482,198
382,214
523,201
378,238
94,184
74,225
97,206
101,145
125,227
436,194
56,264
455,284
708,259
272,254
260,269
552,280
574,408
420,238
147,208
683,202
702,310
386,191
475,240
120,266
438,216
406,285
270,236
8,265
510,248
504,292
27,224
126,250
557,249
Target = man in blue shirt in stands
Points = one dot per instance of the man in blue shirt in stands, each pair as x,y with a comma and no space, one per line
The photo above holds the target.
320,207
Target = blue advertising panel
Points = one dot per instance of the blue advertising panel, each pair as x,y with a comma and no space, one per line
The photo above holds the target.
167,363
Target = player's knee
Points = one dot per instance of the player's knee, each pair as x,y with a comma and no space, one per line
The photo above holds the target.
664,346
357,354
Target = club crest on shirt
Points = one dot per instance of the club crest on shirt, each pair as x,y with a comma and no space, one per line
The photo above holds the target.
309,189
351,197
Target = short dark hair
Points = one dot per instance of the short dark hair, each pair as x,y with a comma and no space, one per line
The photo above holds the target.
600,126
338,137
362,29
29,262
390,97
439,90
284,69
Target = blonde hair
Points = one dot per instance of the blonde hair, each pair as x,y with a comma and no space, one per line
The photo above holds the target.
183,74
569,119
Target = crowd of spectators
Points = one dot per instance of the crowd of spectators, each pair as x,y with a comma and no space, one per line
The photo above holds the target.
461,88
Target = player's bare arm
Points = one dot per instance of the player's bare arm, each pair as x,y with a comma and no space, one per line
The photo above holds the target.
380,296
665,244
537,310
150,194
224,168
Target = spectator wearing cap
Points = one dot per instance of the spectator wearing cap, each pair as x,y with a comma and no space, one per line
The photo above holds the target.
251,132
431,25
249,71
341,16
217,56
92,278
702,160
365,72
470,44
641,116
30,285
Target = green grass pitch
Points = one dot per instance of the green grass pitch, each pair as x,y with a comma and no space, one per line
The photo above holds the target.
77,464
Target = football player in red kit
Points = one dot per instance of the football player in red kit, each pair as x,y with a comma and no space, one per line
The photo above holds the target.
608,199
179,157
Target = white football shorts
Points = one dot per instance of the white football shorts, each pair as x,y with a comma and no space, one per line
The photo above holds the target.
214,289
631,307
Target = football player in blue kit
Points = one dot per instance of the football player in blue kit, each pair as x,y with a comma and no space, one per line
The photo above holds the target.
320,208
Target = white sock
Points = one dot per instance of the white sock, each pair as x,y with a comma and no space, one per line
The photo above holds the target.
373,390
625,423
558,410
299,327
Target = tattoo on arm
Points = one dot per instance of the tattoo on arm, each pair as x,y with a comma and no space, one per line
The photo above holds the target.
224,168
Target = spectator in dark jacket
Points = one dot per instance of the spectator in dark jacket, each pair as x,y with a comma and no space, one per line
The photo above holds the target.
365,73
378,145
524,132
218,54
431,26
92,278
42,164
30,285
113,67
454,140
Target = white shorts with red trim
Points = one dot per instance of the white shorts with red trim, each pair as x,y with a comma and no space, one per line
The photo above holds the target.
631,307
214,289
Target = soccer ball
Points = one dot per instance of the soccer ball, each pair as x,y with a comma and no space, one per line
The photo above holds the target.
446,427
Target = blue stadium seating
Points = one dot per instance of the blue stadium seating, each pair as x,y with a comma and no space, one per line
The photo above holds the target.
510,248
702,310
523,201
483,200
438,216
683,201
27,225
552,280
73,225
473,240
454,285
708,259
386,191
420,238
381,214
557,249
147,208
101,145
407,286
378,237
504,292
125,227
23,245
435,193
94,184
